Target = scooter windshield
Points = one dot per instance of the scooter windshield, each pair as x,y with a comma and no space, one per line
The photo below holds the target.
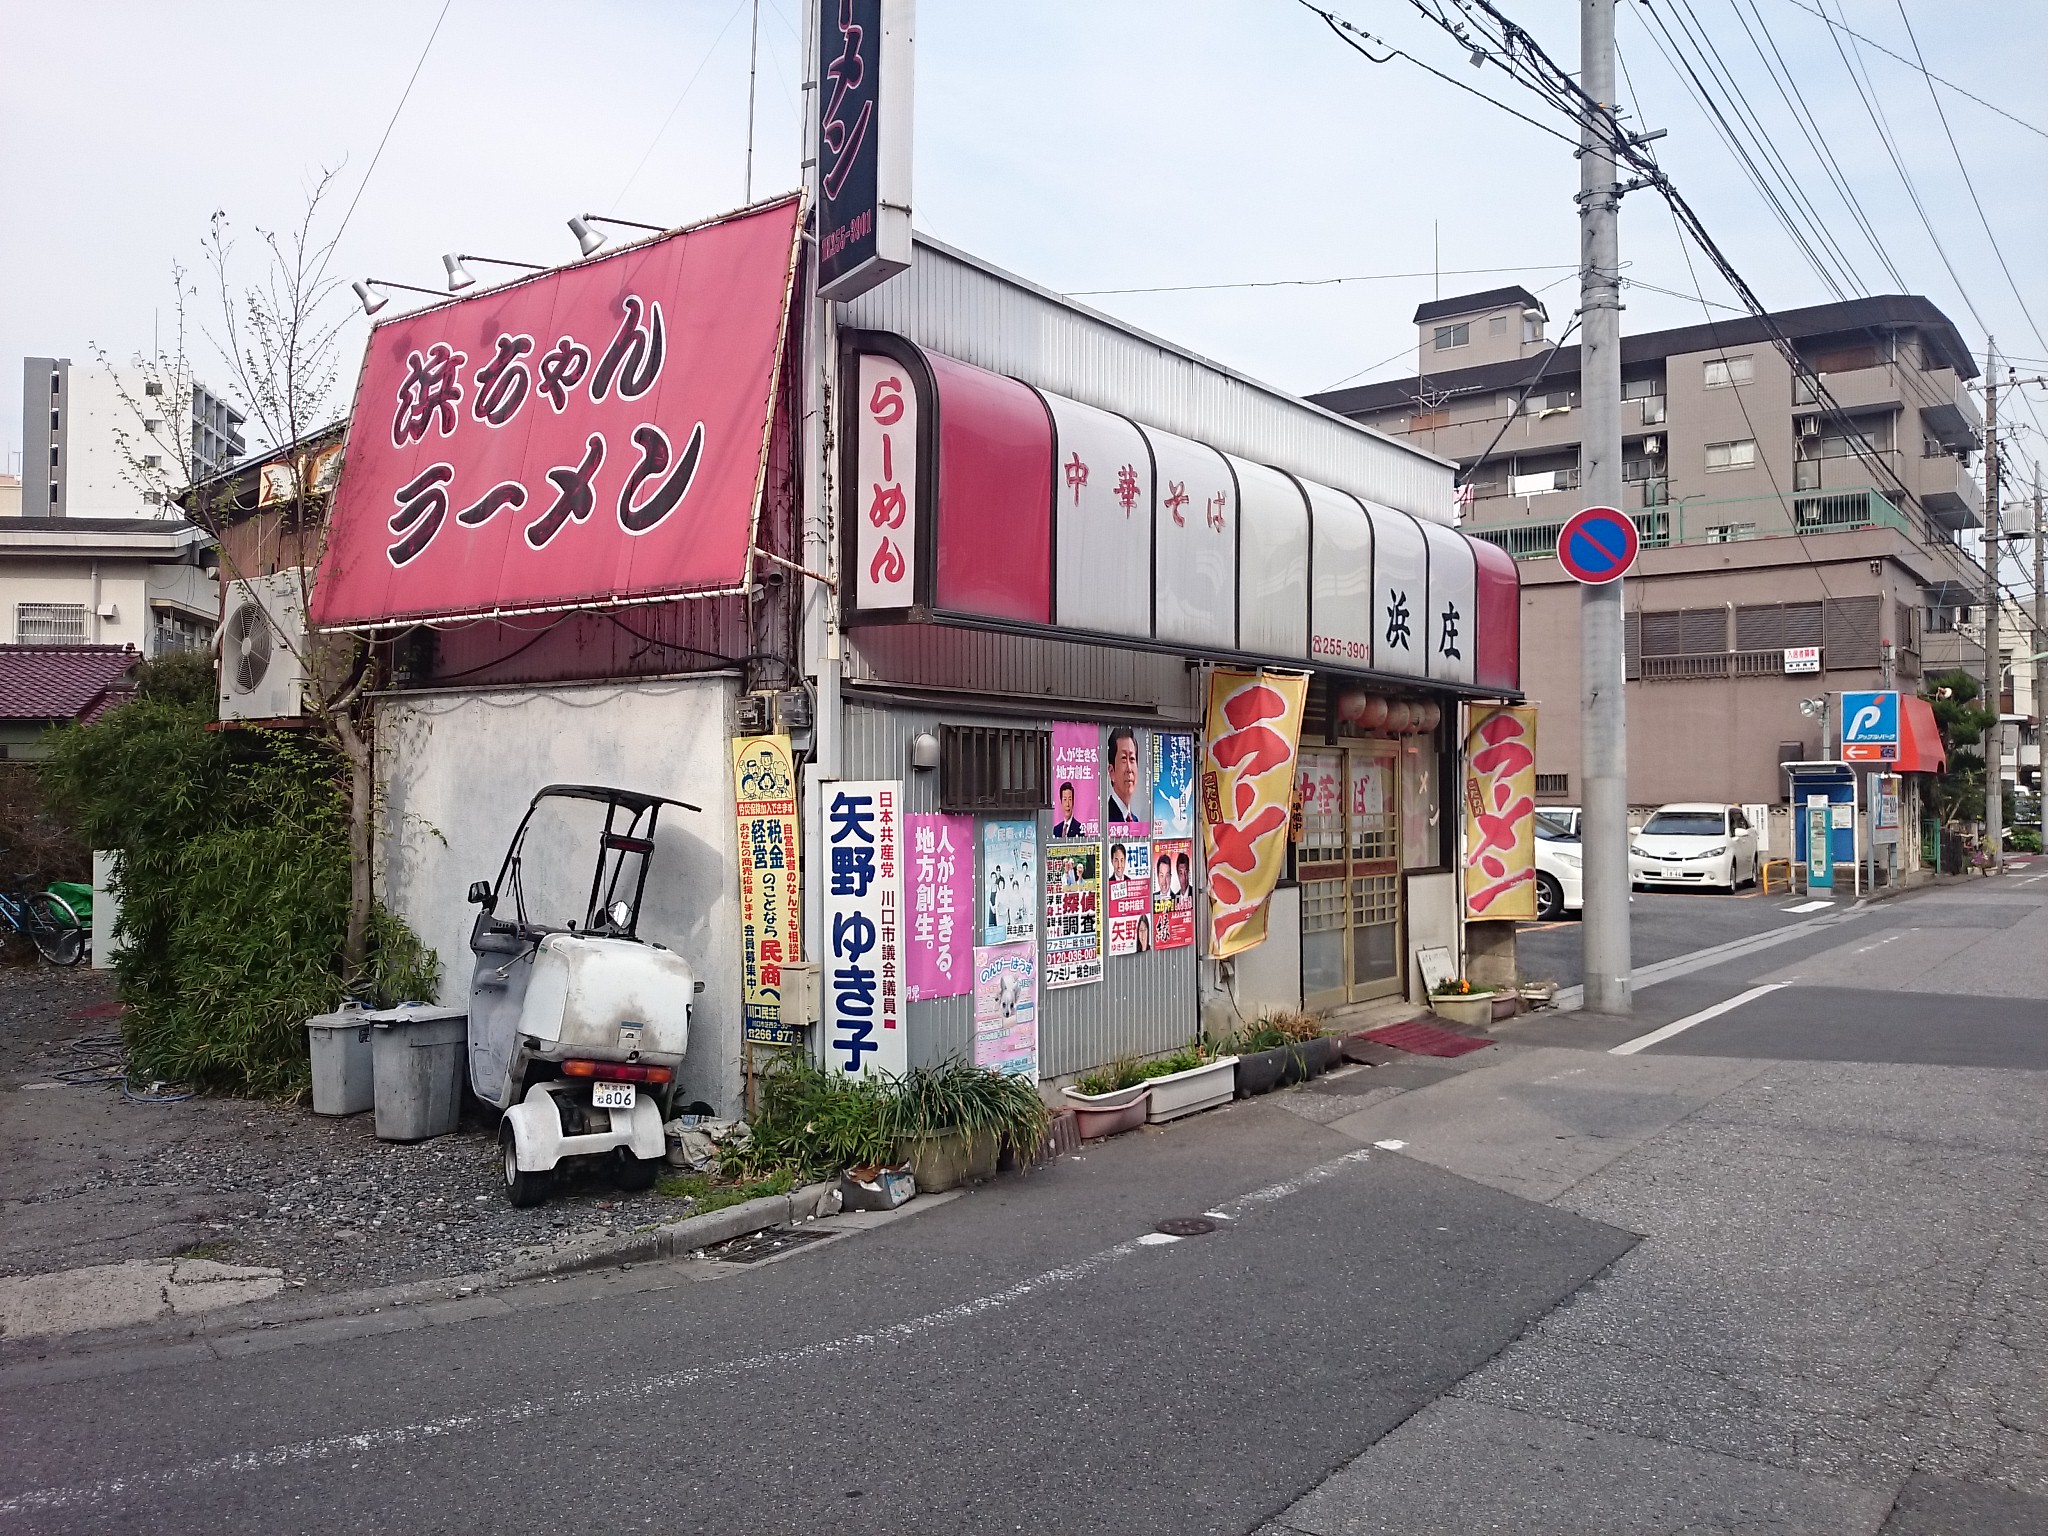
549,882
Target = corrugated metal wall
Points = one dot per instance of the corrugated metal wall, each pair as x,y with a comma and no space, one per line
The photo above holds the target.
992,665
1144,1004
954,304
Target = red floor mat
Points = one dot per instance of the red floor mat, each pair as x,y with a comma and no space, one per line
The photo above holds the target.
1426,1039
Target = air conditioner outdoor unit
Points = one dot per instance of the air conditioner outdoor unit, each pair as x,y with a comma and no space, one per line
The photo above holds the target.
263,646
1807,426
1652,447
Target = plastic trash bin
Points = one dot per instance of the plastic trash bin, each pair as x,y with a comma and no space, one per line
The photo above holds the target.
342,1075
418,1053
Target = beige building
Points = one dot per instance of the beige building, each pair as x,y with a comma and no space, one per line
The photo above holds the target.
148,583
1769,524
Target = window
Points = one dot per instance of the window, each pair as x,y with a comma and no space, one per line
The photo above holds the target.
56,421
49,623
1849,631
53,455
1687,824
1448,336
1722,372
153,387
56,384
1728,533
1775,626
1641,389
1737,822
1497,326
1555,400
1736,455
152,461
1685,632
53,493
1532,326
1554,784
984,768
151,425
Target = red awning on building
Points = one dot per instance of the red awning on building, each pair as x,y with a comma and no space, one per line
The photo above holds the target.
1920,748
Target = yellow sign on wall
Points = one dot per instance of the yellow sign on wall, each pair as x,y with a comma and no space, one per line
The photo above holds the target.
764,796
1500,811
1248,753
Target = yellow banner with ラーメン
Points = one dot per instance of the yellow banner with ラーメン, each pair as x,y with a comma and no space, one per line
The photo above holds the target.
1249,742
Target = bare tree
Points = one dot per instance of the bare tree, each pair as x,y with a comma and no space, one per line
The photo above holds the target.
278,336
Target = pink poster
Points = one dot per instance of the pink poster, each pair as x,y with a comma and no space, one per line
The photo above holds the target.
1076,786
941,878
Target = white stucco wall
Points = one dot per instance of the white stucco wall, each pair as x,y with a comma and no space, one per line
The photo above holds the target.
457,770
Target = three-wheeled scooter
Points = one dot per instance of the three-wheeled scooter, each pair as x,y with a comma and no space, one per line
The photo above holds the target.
577,1025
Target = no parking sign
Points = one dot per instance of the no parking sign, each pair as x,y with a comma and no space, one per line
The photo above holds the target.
1598,545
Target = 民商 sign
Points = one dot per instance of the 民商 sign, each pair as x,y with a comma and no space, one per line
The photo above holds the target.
593,434
764,800
860,951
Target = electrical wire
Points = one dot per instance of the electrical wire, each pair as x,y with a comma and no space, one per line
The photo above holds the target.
1321,282
1921,67
1520,401
688,85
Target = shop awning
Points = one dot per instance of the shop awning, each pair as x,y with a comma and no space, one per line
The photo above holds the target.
591,435
1920,748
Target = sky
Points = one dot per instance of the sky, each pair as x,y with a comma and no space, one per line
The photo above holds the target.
1084,144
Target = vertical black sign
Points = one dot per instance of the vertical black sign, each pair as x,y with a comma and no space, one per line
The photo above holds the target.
849,138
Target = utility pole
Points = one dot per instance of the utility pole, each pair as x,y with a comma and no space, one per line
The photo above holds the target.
2040,650
1994,543
1603,718
753,59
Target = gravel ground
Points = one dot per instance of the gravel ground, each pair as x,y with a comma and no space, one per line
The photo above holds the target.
94,1178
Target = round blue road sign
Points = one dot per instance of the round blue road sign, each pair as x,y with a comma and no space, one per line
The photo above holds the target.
1598,545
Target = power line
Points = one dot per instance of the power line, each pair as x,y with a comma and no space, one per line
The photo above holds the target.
1320,282
702,64
1956,150
1921,67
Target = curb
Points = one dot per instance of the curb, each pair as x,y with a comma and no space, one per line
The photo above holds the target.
678,1238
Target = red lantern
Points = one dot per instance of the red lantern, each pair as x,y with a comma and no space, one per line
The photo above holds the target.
1398,715
1428,717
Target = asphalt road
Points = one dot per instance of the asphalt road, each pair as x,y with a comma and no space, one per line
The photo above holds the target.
1662,925
1782,1269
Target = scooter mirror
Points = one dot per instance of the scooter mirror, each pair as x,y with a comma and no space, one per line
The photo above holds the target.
480,893
620,913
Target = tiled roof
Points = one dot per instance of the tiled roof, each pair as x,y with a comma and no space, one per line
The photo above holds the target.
61,682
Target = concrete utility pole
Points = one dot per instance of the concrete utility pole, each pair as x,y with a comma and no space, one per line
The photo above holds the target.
1603,719
1994,544
2040,650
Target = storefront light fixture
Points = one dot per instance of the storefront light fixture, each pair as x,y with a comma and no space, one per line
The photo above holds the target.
588,239
459,276
924,751
375,292
1813,709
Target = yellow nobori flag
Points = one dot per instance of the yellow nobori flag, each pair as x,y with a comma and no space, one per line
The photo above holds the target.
1249,745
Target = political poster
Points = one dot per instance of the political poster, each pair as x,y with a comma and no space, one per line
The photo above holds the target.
1253,727
1130,897
1173,784
1076,801
1173,893
1126,797
1009,881
1500,811
1073,914
863,938
764,799
941,879
1006,1008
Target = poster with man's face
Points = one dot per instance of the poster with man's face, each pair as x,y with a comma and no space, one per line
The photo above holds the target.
1076,762
1127,803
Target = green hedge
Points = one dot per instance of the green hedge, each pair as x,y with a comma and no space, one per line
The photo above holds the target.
234,883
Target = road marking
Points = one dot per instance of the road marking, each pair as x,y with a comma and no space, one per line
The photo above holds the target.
2028,881
1570,999
1680,1026
1889,939
579,1401
1807,906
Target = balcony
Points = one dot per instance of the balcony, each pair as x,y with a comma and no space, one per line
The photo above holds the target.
1953,419
1690,521
1948,493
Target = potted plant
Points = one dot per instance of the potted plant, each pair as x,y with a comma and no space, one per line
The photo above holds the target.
1460,1002
1110,1100
953,1121
1279,1049
1192,1079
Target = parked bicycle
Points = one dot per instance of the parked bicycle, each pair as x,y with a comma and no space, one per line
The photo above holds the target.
57,921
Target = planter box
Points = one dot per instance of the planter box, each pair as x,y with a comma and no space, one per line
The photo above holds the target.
1109,1114
1506,1004
1474,1011
1261,1071
1321,1053
1198,1088
939,1163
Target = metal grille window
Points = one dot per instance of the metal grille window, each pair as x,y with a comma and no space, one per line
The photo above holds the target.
49,623
1685,632
1553,783
1774,626
1850,631
985,768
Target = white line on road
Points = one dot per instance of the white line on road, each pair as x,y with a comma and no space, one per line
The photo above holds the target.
500,1415
1680,1026
1569,999
1807,906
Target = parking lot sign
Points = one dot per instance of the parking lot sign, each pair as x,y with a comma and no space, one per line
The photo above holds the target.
1870,727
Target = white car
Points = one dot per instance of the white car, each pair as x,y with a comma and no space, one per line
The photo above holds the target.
1698,845
1559,888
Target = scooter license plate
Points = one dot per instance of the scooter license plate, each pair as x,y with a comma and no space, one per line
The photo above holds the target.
611,1095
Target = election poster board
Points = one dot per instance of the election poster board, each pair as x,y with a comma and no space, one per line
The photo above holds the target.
1500,811
863,938
1073,914
764,799
940,871
1006,1008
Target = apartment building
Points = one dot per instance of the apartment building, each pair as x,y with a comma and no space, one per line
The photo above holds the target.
1789,550
104,442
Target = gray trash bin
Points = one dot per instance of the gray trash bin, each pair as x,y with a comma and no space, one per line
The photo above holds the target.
340,1046
418,1054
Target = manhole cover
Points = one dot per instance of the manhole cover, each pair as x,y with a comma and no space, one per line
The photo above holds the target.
765,1245
1186,1226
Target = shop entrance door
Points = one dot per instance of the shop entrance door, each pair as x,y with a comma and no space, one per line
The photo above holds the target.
1348,864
